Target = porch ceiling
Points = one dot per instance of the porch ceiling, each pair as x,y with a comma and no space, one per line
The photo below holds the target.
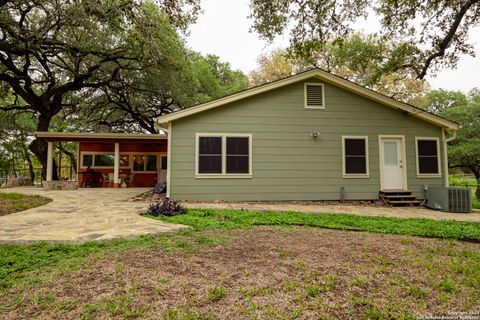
99,137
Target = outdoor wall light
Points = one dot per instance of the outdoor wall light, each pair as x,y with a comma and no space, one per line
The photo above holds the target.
314,134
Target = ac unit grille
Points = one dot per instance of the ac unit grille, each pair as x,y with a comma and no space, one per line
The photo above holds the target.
450,199
459,200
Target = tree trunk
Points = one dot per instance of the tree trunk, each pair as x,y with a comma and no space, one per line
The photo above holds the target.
69,154
39,147
29,161
30,167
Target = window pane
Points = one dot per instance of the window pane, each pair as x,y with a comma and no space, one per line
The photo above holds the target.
427,147
390,152
355,147
138,162
87,160
355,165
124,160
237,145
237,164
104,160
210,145
164,163
428,165
151,163
210,164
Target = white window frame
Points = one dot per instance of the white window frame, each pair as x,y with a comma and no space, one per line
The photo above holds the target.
224,173
130,160
417,156
317,84
94,153
367,159
158,155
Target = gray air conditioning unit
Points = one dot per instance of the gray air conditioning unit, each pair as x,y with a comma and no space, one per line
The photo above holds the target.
451,199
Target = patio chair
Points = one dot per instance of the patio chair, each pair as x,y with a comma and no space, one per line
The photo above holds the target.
129,180
106,180
110,179
88,180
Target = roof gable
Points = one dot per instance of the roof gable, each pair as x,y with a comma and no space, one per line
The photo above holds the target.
323,76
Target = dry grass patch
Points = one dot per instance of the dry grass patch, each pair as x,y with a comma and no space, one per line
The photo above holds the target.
265,272
15,202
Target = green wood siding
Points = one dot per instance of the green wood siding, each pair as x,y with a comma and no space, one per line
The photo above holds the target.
288,164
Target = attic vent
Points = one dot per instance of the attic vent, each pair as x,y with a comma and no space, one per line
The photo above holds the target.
314,96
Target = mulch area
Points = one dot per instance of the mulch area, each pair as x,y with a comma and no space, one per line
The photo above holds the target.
149,196
267,273
8,206
152,197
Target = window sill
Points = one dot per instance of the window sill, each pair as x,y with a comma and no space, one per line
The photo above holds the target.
223,176
356,176
432,175
314,108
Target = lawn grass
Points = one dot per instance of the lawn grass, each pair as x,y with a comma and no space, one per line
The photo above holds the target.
229,219
15,202
29,272
20,264
18,260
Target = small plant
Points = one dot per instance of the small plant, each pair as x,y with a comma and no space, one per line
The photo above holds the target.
166,208
216,293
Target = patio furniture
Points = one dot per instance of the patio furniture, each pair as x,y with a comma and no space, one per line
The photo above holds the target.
129,180
110,179
106,180
88,179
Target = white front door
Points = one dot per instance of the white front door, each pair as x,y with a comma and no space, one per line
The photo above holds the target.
392,163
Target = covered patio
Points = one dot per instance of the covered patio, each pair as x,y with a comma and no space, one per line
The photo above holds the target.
111,159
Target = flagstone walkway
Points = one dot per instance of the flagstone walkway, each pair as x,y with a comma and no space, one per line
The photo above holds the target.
81,215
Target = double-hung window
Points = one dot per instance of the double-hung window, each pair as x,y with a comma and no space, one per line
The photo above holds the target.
355,157
224,155
428,159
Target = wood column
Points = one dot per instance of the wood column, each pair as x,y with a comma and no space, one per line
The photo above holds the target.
116,166
49,161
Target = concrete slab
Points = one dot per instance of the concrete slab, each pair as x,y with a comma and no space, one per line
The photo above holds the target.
81,215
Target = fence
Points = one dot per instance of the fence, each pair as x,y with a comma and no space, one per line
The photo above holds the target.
66,173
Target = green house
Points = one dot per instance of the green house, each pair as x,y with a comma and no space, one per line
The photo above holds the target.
312,136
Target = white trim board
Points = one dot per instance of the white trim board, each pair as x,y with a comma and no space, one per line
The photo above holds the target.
403,155
355,175
428,175
224,174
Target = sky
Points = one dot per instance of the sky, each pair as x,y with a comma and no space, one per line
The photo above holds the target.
224,30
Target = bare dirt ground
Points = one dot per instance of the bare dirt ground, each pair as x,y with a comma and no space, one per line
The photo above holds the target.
265,273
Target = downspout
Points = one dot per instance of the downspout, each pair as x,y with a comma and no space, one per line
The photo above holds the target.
445,154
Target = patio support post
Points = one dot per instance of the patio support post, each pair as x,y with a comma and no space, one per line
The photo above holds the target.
49,161
116,166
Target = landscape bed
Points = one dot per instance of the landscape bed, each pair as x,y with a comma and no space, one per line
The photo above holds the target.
15,202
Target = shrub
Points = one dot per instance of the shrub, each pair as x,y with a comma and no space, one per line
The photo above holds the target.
166,208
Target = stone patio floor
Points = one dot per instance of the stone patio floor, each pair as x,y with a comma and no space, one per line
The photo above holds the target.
312,207
81,215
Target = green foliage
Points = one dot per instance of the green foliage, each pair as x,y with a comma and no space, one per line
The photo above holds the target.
214,79
216,293
59,56
464,151
357,58
228,219
439,41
